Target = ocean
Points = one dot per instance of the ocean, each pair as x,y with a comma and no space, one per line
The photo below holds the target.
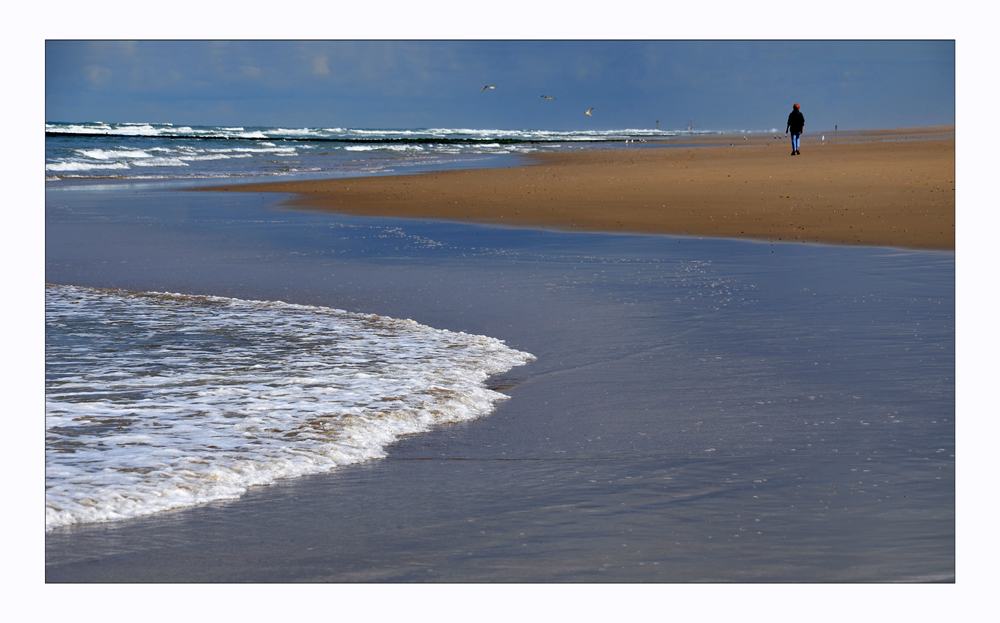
162,151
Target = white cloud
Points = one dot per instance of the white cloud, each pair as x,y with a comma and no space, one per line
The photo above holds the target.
320,66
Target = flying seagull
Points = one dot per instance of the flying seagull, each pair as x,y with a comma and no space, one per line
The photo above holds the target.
587,112
488,86
547,97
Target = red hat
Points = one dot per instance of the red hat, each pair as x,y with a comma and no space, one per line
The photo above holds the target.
795,106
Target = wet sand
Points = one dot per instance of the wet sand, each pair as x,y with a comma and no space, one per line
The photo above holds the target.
700,410
872,188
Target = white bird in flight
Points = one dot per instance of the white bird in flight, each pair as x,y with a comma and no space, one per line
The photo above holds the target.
488,86
547,97
587,112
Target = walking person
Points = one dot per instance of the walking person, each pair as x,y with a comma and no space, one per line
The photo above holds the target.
795,123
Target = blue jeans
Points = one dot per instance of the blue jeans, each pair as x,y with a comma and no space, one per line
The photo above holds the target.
795,141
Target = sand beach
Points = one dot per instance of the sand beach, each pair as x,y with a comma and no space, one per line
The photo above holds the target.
877,188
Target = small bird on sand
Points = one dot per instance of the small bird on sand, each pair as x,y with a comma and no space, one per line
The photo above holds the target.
547,97
587,112
488,86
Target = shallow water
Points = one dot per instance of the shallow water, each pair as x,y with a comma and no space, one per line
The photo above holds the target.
699,409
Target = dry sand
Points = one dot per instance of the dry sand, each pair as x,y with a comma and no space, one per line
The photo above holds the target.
882,187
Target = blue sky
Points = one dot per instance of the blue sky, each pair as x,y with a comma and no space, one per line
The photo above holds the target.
720,85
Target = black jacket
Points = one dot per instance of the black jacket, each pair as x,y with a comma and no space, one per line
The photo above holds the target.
796,122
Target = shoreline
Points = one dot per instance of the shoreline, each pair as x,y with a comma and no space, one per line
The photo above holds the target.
872,188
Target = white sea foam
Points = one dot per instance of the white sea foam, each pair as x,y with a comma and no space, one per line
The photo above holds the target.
160,401
137,129
113,154
160,162
96,127
203,157
298,131
83,166
402,148
283,151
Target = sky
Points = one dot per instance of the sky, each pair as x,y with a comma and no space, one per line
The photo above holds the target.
713,85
